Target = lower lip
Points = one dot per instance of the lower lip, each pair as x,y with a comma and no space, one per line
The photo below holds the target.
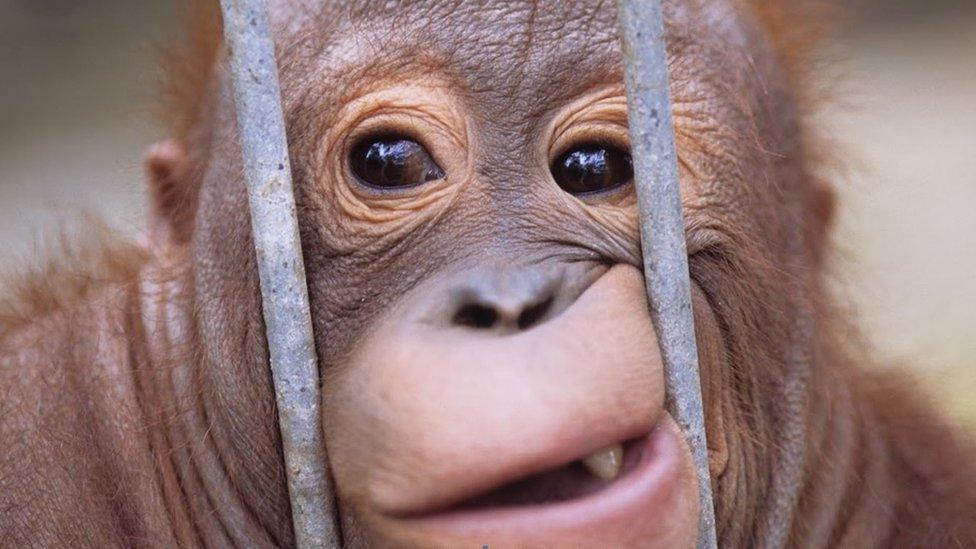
645,494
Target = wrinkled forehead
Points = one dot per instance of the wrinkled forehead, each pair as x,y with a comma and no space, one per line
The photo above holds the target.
526,50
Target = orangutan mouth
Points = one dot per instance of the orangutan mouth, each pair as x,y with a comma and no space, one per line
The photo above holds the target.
568,482
574,497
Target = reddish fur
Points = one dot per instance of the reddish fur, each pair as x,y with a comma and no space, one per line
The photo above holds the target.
77,267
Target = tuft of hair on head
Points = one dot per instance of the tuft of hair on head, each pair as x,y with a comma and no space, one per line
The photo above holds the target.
796,29
188,62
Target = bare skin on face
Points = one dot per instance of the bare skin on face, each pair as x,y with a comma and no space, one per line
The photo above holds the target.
489,370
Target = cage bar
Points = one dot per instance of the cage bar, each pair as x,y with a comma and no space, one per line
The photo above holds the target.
662,231
274,223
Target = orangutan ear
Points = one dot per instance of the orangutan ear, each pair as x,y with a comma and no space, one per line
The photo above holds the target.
718,442
715,382
171,210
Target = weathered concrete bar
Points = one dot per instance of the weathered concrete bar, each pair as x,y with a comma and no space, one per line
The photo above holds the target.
267,173
662,230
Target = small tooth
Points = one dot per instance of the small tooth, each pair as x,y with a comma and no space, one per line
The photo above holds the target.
606,463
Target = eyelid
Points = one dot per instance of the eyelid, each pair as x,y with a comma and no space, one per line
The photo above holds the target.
604,134
598,118
391,111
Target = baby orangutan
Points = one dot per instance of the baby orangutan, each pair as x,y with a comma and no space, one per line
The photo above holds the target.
490,374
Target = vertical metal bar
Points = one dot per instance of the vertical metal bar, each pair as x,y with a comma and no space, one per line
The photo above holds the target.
662,231
267,174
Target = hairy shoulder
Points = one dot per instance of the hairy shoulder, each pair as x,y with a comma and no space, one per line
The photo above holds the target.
66,392
72,270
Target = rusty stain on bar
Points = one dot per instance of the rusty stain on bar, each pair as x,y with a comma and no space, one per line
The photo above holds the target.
288,323
662,231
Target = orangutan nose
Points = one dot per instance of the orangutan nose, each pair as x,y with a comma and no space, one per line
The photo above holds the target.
487,377
508,300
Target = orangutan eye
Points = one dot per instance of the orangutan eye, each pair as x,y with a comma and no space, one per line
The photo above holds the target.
393,161
592,168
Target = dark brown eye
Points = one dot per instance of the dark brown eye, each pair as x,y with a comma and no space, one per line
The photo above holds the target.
393,161
592,168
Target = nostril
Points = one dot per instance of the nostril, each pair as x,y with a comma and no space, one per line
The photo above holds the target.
485,317
475,315
532,315
504,301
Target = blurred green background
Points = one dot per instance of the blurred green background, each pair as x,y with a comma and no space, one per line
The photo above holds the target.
75,115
